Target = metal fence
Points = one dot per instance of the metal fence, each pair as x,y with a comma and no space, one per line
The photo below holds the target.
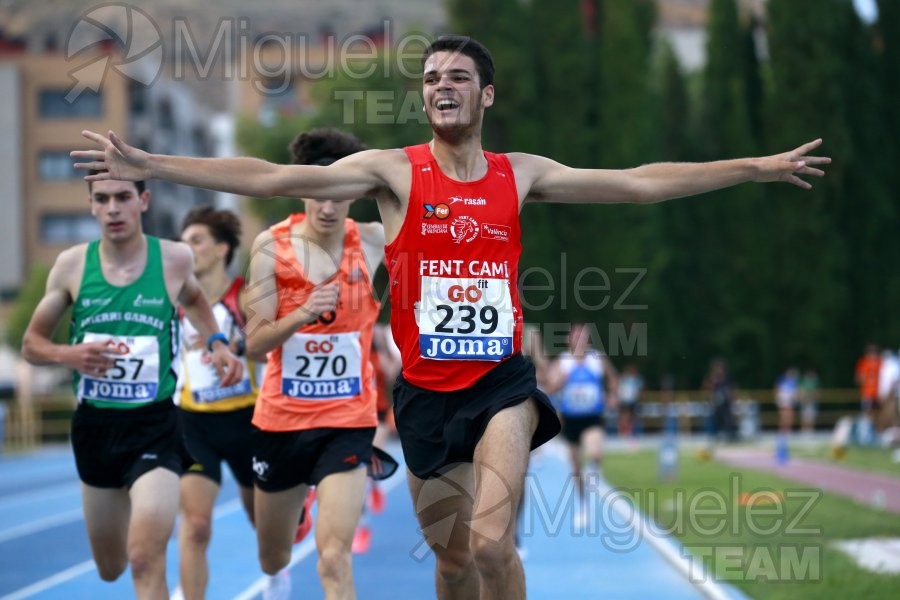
47,419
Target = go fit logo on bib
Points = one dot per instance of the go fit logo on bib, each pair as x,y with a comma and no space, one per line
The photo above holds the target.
472,293
316,347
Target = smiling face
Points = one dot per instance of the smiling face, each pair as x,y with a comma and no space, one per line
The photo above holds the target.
454,98
117,206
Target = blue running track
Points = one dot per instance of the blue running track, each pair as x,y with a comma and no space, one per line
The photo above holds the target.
44,550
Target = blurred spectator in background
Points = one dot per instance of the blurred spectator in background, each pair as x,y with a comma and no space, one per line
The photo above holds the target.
867,371
631,384
786,396
809,400
721,397
888,386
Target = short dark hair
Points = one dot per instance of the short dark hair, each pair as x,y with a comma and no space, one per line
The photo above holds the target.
224,226
323,146
467,47
140,185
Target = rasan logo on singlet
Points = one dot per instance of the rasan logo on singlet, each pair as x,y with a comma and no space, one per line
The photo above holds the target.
468,201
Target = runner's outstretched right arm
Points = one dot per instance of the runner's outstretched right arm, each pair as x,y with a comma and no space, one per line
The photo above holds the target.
352,177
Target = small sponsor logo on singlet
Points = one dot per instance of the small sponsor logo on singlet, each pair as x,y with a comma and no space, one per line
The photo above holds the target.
141,301
438,211
468,201
356,275
435,228
490,231
464,229
87,302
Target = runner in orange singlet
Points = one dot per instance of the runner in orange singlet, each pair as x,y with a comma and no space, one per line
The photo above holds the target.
310,305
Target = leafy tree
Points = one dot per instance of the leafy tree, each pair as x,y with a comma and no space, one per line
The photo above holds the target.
868,212
270,142
507,29
812,317
27,300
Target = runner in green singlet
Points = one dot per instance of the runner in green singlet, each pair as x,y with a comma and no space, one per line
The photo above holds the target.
128,446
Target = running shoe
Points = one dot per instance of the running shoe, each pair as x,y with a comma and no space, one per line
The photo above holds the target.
362,540
376,501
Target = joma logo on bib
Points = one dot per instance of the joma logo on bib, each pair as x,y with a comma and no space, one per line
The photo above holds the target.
322,390
105,390
461,348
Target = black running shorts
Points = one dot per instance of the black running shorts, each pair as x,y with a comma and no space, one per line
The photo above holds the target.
220,436
285,459
573,427
113,447
438,429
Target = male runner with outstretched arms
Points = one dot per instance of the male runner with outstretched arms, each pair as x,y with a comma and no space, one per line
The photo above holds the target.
466,399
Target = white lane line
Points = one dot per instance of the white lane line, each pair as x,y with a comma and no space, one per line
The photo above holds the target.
40,525
692,568
76,515
226,508
52,581
308,546
46,493
43,585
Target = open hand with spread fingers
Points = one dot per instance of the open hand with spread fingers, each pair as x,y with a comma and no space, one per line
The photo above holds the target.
114,160
787,166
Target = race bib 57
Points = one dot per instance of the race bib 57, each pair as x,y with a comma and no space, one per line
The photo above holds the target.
134,376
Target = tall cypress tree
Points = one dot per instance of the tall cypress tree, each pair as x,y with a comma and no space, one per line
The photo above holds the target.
627,237
675,323
624,107
563,50
732,225
506,29
888,29
726,121
869,213
806,38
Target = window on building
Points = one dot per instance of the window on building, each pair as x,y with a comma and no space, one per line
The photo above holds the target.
68,228
200,142
56,104
165,117
279,98
137,98
57,165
